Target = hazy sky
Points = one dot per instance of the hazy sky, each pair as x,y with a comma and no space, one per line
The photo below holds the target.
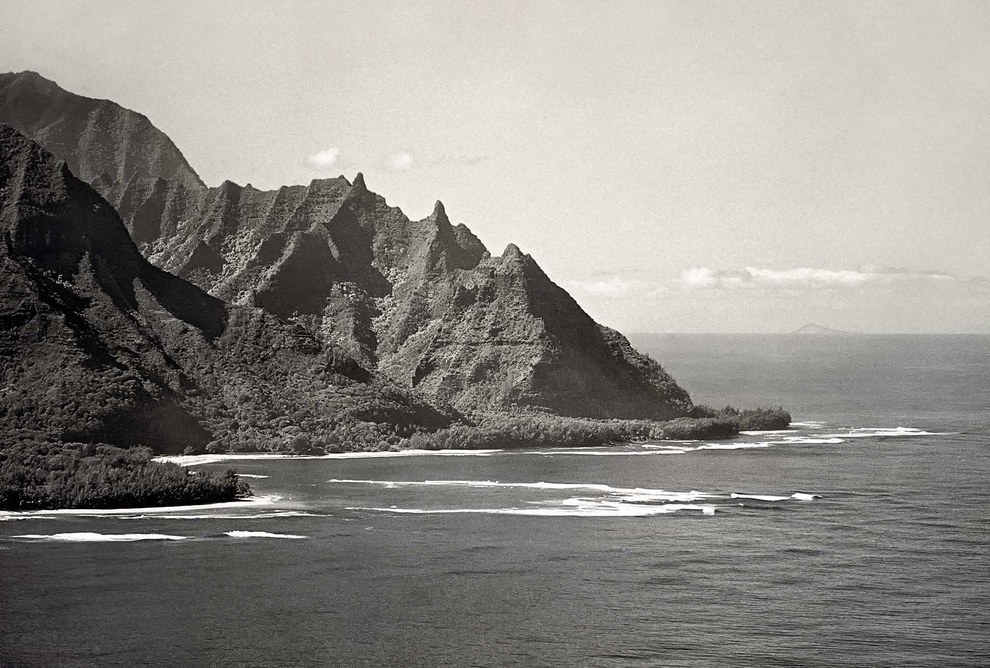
678,166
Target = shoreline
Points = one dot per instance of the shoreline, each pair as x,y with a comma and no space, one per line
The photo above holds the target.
260,501
197,460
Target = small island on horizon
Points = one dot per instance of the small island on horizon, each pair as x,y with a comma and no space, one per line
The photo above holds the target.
814,329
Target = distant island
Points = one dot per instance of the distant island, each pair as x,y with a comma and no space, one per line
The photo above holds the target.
144,308
814,329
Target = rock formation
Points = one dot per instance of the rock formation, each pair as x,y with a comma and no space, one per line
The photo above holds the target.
422,303
97,138
98,344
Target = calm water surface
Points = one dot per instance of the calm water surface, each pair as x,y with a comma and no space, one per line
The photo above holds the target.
859,537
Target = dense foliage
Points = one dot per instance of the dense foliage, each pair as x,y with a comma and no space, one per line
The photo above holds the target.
549,431
37,475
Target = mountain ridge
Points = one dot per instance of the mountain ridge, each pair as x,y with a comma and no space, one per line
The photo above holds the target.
95,137
421,308
99,344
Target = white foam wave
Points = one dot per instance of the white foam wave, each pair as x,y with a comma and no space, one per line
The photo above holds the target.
249,502
809,424
91,537
870,432
609,453
261,534
759,497
576,507
251,475
195,460
654,494
732,445
229,516
765,431
802,496
812,439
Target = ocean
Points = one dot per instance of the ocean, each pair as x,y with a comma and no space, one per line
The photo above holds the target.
858,537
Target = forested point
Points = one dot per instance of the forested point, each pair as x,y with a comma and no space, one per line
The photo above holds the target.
37,475
528,429
45,476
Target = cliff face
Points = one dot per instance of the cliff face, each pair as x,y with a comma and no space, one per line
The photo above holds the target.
95,137
96,343
422,303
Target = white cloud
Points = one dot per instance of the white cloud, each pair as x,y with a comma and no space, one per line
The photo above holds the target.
610,286
323,159
400,162
806,278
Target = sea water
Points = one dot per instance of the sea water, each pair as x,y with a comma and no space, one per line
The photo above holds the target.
859,536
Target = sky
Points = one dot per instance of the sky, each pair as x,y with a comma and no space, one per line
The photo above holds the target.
677,166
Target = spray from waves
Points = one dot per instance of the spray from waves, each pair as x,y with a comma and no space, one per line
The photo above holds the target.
262,534
575,507
91,537
651,494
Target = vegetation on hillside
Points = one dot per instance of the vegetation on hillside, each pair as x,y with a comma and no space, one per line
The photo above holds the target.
36,475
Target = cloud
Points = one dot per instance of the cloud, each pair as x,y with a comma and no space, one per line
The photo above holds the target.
323,159
610,286
400,162
808,278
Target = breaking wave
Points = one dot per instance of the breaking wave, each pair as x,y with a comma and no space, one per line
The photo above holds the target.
871,432
229,516
261,534
91,537
652,494
156,511
575,507
759,497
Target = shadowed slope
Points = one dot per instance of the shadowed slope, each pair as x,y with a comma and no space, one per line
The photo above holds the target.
98,344
95,137
420,301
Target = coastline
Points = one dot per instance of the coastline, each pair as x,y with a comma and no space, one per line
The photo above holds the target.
253,501
198,460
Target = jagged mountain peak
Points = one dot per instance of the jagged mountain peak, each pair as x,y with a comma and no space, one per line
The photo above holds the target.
99,345
439,211
512,252
421,302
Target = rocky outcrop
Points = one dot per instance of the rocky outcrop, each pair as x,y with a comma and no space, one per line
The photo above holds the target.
99,344
100,140
422,303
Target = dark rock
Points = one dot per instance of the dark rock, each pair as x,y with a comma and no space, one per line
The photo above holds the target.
98,344
100,140
422,303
